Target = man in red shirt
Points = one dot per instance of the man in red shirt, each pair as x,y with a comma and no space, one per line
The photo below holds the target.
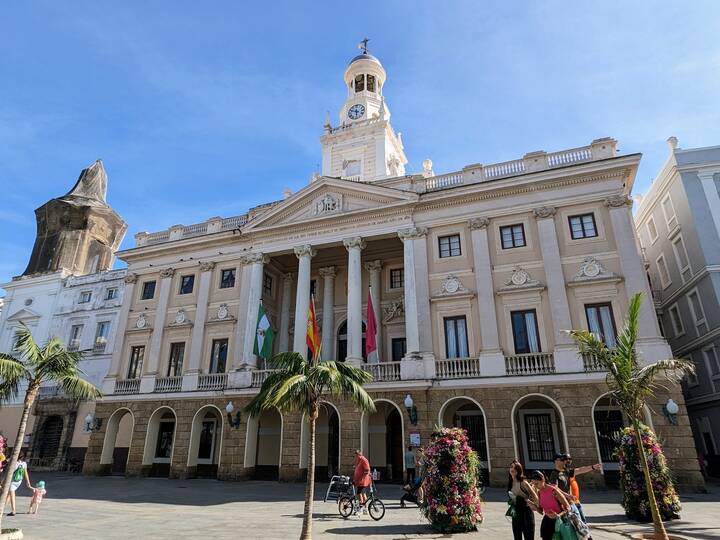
362,478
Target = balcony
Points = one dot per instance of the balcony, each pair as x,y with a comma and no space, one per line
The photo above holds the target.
99,346
530,364
383,371
458,368
259,376
127,386
74,345
212,381
168,384
51,392
591,365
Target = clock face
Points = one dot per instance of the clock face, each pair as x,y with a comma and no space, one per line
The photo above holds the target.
356,111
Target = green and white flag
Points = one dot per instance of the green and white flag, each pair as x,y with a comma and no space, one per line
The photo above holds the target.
264,336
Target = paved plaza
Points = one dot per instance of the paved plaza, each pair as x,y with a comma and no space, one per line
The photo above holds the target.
92,508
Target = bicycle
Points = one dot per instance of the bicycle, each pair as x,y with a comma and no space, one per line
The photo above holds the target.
349,504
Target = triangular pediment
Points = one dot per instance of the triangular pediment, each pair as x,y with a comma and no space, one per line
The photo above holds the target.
331,197
23,314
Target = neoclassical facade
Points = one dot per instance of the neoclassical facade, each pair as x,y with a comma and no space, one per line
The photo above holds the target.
475,277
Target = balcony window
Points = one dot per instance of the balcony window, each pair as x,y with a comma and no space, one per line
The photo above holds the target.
75,335
111,294
697,310
186,284
512,236
137,354
449,246
526,337
397,278
676,320
601,323
101,335
652,230
85,297
399,349
456,340
681,257
582,226
669,212
218,356
177,355
148,290
227,278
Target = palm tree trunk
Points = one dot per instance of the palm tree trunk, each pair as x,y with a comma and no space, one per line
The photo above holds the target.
27,405
306,533
660,532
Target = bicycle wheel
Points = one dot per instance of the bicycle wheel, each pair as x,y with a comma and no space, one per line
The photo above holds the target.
345,506
376,509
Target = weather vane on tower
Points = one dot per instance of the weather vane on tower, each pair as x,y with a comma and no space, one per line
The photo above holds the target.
363,45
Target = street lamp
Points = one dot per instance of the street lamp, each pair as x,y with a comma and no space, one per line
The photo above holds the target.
234,422
411,409
91,423
670,410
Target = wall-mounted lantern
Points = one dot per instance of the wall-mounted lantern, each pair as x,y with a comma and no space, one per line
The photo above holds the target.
411,409
92,423
234,422
670,410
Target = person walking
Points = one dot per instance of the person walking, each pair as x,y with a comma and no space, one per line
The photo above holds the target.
521,494
551,502
409,466
20,473
361,478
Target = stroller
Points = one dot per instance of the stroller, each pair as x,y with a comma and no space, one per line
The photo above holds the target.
339,486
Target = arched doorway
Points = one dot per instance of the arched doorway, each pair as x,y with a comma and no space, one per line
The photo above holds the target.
49,443
538,430
160,442
327,443
342,342
116,445
263,444
466,413
383,440
205,442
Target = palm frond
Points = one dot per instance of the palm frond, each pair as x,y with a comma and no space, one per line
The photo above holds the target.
78,388
27,346
12,373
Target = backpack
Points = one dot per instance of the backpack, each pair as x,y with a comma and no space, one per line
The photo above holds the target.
18,474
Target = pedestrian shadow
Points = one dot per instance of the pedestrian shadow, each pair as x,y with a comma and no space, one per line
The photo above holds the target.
388,530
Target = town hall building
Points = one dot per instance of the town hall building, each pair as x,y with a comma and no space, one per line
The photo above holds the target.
475,276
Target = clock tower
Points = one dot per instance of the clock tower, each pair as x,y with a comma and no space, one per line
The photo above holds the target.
363,147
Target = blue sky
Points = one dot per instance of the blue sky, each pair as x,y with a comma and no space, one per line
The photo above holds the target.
207,108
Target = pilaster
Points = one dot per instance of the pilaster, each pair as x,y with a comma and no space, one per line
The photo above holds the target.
190,377
284,332
328,316
153,361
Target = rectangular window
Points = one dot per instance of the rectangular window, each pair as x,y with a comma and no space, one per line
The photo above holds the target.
148,290
85,297
711,357
669,211
163,448
111,294
177,355
75,335
663,271
449,246
456,341
676,320
227,278
652,230
218,356
512,236
397,278
101,335
691,378
601,322
371,83
582,226
186,284
267,284
526,337
399,348
682,258
540,438
359,83
137,354
696,307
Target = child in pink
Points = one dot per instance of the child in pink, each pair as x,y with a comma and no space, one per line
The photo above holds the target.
37,497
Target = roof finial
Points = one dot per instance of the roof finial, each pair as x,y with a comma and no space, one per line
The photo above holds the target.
363,45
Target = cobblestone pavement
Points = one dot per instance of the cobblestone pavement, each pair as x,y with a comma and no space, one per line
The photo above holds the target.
92,508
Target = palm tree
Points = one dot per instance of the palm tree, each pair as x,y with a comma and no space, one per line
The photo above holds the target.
631,384
299,385
34,365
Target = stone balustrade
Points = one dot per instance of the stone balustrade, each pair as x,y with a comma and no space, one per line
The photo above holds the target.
383,371
530,364
212,381
590,363
168,384
259,376
127,386
457,368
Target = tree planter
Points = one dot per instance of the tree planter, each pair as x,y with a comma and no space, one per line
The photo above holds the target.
11,534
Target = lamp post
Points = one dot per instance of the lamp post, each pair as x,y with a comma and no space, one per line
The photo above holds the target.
233,422
411,409
92,423
670,410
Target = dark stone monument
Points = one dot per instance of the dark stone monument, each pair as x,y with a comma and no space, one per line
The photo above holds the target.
77,232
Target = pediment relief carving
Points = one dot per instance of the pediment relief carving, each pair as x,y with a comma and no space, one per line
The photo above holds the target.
592,270
23,314
520,280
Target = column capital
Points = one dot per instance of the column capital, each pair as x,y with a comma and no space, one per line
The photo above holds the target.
167,273
618,201
130,278
356,242
288,276
544,212
373,266
306,250
254,258
206,266
478,223
412,233
327,272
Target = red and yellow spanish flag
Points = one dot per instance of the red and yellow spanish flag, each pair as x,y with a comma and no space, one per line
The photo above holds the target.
313,334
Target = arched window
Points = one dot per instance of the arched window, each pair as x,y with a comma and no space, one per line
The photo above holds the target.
342,342
371,83
359,83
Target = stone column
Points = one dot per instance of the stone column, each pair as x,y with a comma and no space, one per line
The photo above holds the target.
650,341
304,254
374,268
284,337
566,353
419,361
354,247
152,362
492,360
192,372
108,385
713,198
257,262
328,315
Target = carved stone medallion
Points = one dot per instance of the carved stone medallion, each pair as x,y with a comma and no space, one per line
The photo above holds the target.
451,285
180,317
141,321
223,311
